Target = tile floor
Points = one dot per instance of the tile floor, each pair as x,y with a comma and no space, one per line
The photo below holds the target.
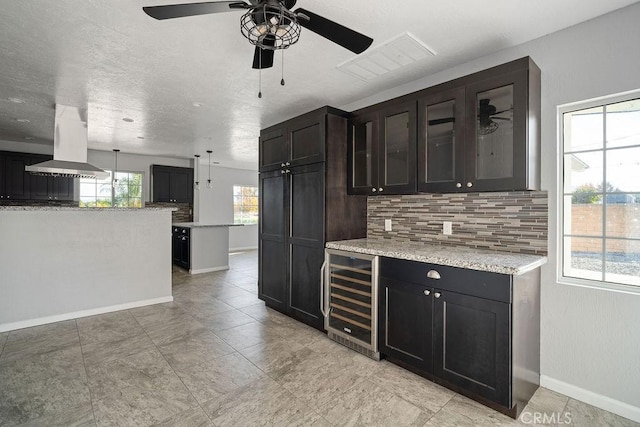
217,356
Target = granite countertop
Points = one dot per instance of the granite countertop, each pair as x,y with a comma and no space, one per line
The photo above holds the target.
203,224
470,258
77,208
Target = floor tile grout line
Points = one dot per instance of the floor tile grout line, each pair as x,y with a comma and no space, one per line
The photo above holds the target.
175,373
86,373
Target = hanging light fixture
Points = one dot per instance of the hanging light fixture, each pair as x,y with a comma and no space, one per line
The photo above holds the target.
114,180
196,185
209,184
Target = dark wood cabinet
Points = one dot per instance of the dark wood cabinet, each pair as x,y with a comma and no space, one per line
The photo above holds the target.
473,331
171,184
303,204
299,141
382,154
406,317
481,132
17,184
181,246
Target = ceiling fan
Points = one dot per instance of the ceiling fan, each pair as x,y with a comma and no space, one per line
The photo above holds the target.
269,25
487,113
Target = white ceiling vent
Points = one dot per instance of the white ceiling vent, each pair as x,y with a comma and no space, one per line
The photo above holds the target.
392,55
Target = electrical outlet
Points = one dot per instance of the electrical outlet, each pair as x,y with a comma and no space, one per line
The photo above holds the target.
447,228
387,225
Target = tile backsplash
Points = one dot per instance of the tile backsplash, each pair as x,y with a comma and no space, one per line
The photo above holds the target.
509,221
184,212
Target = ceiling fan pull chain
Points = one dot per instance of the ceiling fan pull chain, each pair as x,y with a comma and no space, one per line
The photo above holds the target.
282,81
260,78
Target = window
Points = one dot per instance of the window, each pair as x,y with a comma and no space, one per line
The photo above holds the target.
245,204
600,242
126,193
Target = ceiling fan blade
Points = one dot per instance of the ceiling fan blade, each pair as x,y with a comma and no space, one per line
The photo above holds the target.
191,9
441,121
345,37
263,58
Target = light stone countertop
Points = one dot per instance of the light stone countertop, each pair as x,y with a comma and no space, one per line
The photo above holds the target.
203,224
470,258
77,208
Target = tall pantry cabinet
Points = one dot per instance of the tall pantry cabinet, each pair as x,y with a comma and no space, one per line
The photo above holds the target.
303,204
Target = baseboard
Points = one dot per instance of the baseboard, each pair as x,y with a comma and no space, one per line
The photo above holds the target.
209,270
244,248
599,401
84,313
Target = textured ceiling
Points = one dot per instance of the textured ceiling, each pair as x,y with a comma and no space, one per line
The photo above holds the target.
111,58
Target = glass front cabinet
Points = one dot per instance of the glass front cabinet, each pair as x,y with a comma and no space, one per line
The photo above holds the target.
481,132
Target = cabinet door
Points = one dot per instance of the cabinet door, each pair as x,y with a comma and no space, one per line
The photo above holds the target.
62,188
273,259
405,327
274,150
441,139
180,185
176,247
397,149
497,138
306,242
362,154
161,177
17,181
307,139
472,344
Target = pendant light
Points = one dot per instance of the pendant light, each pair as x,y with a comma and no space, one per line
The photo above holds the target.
114,180
209,184
196,185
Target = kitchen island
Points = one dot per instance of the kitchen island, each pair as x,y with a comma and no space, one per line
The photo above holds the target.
201,247
59,263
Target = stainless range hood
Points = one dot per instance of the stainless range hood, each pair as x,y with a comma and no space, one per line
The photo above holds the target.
69,147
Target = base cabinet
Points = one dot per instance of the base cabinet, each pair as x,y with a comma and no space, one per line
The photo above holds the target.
181,247
464,329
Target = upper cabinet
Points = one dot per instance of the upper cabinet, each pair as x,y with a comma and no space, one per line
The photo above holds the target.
476,133
382,151
17,184
296,142
171,184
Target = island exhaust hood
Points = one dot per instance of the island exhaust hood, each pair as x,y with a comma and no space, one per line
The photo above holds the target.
69,148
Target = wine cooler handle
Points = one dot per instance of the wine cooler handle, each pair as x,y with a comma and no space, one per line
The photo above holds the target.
322,289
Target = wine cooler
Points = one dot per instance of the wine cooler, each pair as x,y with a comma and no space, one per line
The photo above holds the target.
349,300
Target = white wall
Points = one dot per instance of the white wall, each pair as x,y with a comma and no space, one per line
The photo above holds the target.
590,345
216,205
62,264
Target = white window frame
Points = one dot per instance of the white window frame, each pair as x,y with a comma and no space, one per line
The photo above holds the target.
561,278
113,195
258,205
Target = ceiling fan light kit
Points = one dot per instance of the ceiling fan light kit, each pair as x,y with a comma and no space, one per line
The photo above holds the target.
271,27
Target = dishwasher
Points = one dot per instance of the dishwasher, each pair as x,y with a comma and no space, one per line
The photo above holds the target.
349,300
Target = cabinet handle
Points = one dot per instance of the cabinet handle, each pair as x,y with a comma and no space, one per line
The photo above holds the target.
282,165
458,185
469,184
288,171
427,292
323,270
374,189
437,295
433,274
381,189
287,164
282,172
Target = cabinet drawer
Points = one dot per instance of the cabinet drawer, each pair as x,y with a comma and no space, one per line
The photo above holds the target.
481,284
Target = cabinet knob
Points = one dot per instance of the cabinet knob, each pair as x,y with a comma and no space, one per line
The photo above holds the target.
287,164
381,189
282,165
458,185
427,292
8,197
288,171
282,172
374,189
469,184
437,295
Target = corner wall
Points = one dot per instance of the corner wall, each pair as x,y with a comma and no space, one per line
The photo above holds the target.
590,338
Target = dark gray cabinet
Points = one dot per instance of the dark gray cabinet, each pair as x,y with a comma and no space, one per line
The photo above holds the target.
171,184
181,246
382,152
481,132
303,204
16,184
472,331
